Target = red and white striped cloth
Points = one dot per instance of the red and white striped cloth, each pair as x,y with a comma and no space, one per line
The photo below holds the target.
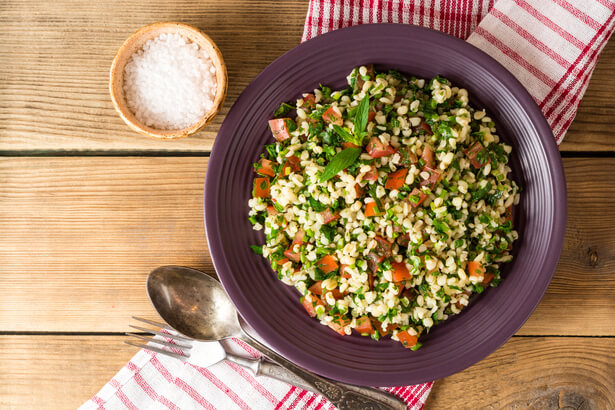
154,381
551,46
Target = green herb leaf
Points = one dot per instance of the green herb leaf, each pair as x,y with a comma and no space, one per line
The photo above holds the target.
347,136
283,110
360,119
257,249
340,161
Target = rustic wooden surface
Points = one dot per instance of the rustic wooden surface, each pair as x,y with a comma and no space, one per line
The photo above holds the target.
88,208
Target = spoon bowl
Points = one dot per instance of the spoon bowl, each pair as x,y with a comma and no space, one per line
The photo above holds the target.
192,303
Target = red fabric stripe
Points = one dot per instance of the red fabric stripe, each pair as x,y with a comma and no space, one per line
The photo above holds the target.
442,7
161,368
120,394
419,394
608,4
432,11
411,12
578,14
331,13
351,18
530,38
253,382
194,394
390,12
321,403
297,399
561,81
310,25
550,24
98,401
515,56
141,382
288,394
421,13
222,387
586,75
400,10
252,351
310,401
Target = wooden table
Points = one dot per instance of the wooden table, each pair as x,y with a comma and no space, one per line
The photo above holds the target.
89,207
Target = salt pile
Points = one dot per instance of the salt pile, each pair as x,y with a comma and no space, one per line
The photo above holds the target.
170,84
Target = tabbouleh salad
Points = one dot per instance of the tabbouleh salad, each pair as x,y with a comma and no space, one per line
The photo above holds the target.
386,204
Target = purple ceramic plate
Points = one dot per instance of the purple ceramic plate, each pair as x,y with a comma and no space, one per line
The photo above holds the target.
273,309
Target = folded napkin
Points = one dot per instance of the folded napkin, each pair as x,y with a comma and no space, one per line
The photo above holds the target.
154,381
551,46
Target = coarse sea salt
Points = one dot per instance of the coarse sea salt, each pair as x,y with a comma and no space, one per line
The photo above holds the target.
170,84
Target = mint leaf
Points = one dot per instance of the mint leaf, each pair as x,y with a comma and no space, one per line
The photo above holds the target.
360,119
347,136
340,161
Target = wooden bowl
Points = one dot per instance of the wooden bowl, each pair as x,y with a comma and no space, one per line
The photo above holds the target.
134,43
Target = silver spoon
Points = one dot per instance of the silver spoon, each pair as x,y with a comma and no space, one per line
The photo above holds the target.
197,306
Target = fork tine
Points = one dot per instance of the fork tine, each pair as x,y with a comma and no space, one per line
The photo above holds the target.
156,349
170,336
158,341
152,322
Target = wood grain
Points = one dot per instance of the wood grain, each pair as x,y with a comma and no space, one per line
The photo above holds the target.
542,373
535,373
78,236
56,58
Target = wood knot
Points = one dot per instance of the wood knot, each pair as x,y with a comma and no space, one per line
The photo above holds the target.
592,257
571,400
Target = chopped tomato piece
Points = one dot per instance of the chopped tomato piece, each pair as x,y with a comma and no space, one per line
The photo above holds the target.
475,269
427,156
327,264
261,187
416,197
371,209
265,167
271,210
376,149
433,179
477,155
488,277
293,256
291,164
279,128
333,116
317,289
328,216
508,215
281,261
373,260
293,253
389,328
310,302
424,126
371,175
407,339
407,157
385,248
400,272
338,323
370,116
359,191
403,239
309,101
349,145
370,280
396,179
364,325
343,272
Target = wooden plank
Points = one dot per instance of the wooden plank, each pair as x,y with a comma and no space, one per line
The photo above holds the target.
536,373
64,371
56,58
592,129
78,236
53,93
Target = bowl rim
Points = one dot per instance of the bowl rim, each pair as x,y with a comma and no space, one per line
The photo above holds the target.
545,137
116,80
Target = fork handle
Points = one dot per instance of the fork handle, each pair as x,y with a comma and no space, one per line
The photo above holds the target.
337,393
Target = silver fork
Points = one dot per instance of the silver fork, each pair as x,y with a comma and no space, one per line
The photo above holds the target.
186,349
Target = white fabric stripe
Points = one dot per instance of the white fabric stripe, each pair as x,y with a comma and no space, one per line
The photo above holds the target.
594,9
564,19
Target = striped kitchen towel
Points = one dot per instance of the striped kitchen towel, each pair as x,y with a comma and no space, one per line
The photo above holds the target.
154,381
551,46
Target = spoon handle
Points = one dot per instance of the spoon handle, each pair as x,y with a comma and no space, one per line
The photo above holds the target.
338,394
